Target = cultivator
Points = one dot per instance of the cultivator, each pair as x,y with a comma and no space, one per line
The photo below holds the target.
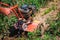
18,13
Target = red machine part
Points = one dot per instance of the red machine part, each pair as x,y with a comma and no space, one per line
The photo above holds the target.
7,11
32,27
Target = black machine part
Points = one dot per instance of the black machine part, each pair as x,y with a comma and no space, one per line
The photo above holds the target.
26,8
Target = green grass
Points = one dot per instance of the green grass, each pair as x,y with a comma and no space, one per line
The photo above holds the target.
54,26
6,22
38,3
49,10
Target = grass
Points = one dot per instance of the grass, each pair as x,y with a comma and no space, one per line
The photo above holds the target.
38,3
49,10
54,26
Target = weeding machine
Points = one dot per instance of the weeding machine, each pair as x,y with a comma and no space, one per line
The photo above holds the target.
24,16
